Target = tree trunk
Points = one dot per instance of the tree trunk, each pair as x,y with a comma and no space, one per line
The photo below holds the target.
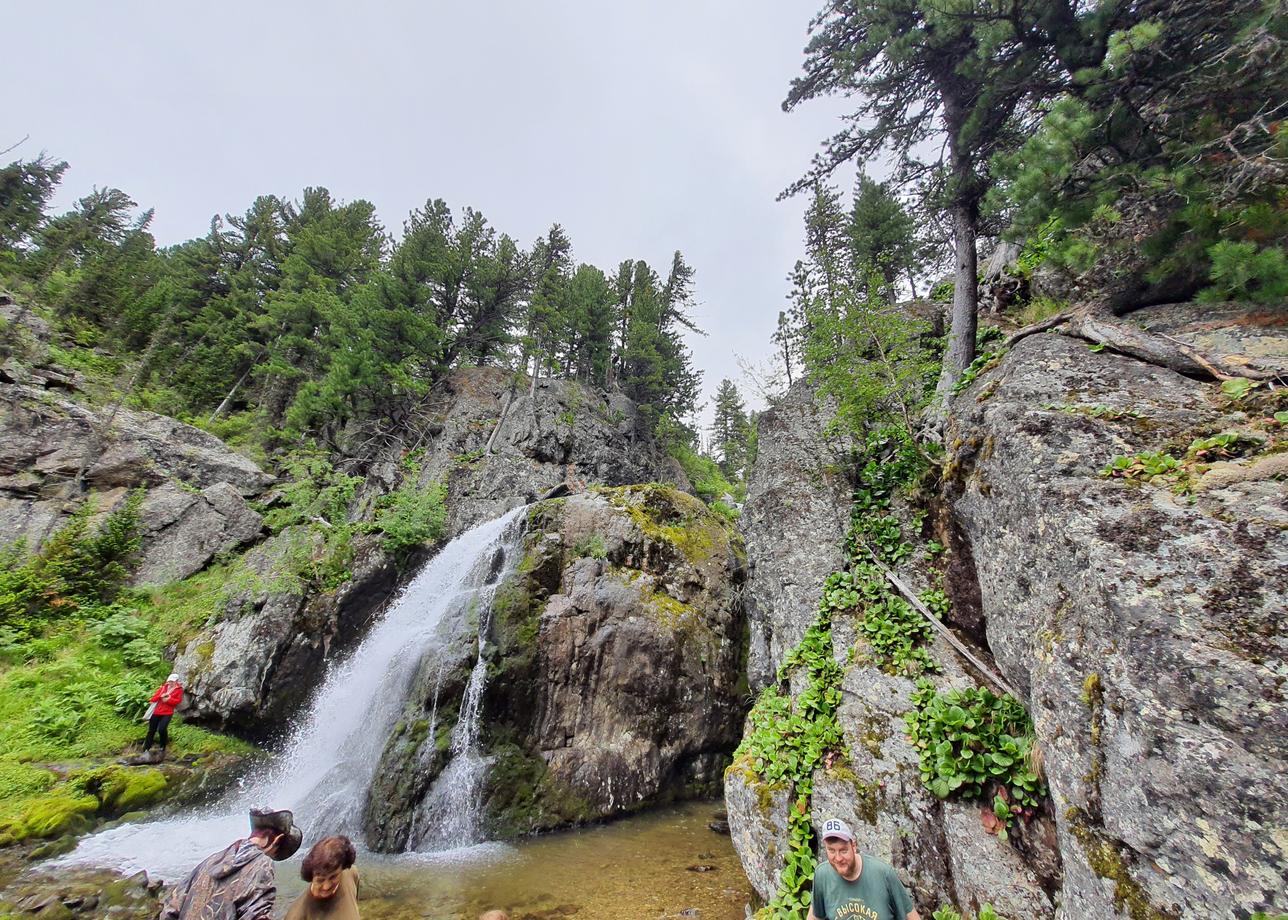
961,335
227,401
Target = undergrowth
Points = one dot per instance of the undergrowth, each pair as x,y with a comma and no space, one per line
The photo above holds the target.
976,745
79,656
790,739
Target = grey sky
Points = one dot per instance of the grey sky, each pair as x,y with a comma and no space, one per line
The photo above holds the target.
641,127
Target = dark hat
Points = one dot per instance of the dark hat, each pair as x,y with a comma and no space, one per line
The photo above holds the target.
282,822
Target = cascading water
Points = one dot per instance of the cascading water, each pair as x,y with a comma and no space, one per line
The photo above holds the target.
448,817
326,770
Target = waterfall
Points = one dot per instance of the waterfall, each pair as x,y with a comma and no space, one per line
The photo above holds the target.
326,768
448,816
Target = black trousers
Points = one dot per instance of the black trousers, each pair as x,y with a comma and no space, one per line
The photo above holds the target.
158,725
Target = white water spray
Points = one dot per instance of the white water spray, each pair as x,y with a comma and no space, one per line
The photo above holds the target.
326,770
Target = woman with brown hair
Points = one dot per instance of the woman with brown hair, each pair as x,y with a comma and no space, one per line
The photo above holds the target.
333,882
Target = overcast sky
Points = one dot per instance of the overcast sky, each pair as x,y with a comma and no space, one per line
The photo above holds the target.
641,127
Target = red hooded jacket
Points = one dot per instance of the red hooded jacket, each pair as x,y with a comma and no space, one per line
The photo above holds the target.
167,697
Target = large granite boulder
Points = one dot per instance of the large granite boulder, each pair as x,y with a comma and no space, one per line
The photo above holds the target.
197,487
794,522
1142,620
615,663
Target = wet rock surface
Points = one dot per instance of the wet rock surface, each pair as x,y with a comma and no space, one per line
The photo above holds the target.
615,662
81,893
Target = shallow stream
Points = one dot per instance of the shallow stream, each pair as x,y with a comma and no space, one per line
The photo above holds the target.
665,864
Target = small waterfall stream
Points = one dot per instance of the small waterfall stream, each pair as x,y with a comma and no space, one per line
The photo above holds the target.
326,769
448,816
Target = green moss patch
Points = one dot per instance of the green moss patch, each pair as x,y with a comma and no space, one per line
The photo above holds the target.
522,797
670,516
1109,861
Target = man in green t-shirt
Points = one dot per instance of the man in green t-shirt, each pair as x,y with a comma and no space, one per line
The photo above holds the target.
853,886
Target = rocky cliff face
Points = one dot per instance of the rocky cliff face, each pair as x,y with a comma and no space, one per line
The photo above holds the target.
495,446
195,506
615,661
1140,622
1144,626
795,517
492,441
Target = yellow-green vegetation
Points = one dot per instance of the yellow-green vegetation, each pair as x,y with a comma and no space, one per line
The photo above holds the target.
895,632
709,481
413,515
177,610
1107,861
786,741
948,912
1182,472
669,515
789,739
79,657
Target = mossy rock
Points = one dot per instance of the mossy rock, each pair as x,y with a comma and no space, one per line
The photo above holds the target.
53,816
120,789
522,797
670,516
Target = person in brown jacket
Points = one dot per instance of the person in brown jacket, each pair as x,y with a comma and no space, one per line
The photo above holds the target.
333,882
237,883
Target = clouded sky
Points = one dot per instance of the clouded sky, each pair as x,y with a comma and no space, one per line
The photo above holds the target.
642,127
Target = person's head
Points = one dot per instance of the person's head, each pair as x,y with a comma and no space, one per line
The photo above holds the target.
173,679
275,832
329,857
494,915
838,844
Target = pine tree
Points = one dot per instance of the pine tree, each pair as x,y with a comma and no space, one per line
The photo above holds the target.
918,68
730,431
25,190
882,236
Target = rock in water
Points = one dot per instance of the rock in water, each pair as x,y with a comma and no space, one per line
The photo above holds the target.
615,662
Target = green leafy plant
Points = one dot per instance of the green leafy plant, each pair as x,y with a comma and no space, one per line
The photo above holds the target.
985,361
592,546
1237,388
1223,446
787,740
76,569
948,912
412,516
974,744
1142,467
316,493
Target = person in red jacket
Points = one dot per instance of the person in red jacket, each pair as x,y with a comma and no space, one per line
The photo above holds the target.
164,702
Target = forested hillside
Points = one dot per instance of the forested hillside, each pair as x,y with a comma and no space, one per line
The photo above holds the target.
307,319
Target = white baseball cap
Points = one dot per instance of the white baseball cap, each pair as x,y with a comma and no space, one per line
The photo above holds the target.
838,829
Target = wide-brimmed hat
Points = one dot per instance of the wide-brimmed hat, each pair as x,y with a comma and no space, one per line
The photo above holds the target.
283,822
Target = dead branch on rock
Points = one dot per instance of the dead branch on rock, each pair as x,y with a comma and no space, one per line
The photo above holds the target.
1150,347
1034,328
1162,350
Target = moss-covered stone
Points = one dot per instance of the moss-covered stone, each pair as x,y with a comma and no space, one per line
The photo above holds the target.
1108,860
63,812
522,797
666,514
